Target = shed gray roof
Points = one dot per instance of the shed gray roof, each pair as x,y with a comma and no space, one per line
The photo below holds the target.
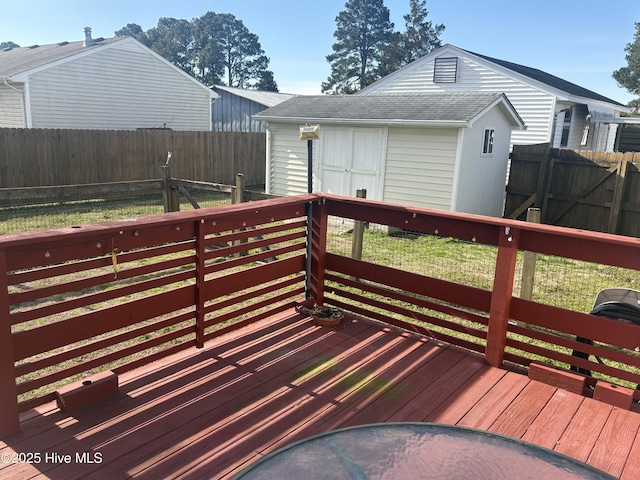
454,108
268,99
22,59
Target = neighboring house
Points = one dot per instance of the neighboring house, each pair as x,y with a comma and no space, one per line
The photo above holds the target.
444,151
113,83
554,110
233,109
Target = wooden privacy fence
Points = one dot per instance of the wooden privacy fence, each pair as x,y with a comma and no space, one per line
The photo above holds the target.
596,191
49,157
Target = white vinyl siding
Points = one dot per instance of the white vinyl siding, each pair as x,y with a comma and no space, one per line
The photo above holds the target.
120,87
12,106
420,166
288,160
535,107
481,181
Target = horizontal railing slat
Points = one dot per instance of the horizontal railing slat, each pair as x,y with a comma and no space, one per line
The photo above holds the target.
471,297
83,265
95,346
576,323
105,359
245,279
59,334
253,294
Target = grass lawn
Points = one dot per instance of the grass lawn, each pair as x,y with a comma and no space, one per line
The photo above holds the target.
40,217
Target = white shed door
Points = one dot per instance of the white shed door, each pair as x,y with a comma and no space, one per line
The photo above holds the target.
352,158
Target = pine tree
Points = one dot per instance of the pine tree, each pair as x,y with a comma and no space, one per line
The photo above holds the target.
363,30
420,36
629,77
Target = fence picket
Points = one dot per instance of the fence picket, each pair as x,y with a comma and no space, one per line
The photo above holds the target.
48,157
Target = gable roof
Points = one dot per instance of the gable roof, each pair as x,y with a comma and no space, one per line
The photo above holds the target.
435,109
19,60
548,79
268,99
552,84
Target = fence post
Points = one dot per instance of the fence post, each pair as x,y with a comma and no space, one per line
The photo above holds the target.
166,186
10,416
529,263
618,195
501,296
358,231
237,193
170,195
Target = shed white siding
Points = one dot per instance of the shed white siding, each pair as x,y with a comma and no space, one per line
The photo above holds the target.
481,178
120,87
288,160
534,106
420,166
12,106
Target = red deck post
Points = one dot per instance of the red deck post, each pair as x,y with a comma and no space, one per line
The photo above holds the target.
318,250
9,413
200,281
501,296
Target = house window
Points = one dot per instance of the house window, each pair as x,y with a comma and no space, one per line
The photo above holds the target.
487,142
566,127
445,70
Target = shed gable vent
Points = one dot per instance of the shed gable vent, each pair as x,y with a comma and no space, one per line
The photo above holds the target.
445,70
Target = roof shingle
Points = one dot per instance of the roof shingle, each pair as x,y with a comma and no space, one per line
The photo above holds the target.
437,107
22,59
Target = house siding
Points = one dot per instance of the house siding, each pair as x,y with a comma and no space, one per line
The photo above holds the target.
481,179
535,107
120,87
12,106
420,166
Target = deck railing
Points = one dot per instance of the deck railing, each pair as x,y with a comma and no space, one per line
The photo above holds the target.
116,296
487,319
119,295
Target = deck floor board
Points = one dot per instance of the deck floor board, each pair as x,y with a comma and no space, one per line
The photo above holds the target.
213,411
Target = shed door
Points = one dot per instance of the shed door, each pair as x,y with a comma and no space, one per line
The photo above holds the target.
351,158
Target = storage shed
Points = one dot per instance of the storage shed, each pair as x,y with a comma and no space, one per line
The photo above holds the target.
234,107
444,151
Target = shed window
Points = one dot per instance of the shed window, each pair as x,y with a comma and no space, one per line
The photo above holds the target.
445,70
487,143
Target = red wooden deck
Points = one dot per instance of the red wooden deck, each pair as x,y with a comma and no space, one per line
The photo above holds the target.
208,413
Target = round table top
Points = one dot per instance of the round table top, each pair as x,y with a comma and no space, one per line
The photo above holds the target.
405,451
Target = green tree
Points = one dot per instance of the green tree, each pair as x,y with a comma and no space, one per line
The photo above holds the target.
215,49
9,45
629,77
172,39
420,36
228,53
131,30
363,30
266,82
